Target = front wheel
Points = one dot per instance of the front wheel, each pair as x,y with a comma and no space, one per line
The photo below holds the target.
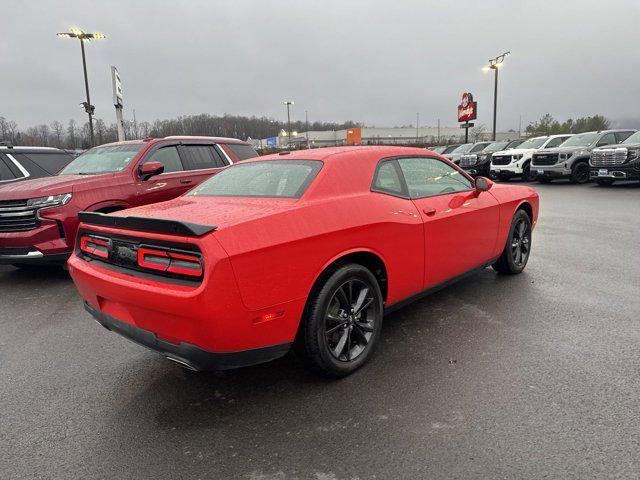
527,175
516,252
342,322
580,173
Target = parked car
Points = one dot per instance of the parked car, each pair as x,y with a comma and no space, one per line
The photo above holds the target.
517,162
308,248
616,162
450,148
479,163
457,154
22,163
438,149
40,216
571,159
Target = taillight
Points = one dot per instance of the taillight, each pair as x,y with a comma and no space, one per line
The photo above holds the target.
96,246
177,263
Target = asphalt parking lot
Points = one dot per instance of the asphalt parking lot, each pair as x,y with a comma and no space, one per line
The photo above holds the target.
496,377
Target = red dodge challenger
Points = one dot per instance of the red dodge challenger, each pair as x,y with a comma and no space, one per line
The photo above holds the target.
307,249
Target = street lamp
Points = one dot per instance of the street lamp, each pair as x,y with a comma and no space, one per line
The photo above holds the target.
288,103
495,64
82,36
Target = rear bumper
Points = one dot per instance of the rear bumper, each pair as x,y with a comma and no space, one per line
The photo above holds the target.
189,356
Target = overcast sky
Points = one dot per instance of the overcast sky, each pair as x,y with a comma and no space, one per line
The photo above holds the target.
377,61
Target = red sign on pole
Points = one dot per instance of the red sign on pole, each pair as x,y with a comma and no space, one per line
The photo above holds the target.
468,109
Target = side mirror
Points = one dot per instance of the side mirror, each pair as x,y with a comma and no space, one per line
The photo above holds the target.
149,169
483,184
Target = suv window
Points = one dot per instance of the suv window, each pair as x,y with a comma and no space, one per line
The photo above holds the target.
554,142
242,151
169,157
203,156
5,171
607,139
427,177
622,136
387,178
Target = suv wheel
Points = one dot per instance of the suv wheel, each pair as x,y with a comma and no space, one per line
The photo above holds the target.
342,322
580,173
527,175
518,247
605,182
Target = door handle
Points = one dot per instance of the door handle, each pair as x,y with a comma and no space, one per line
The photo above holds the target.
430,212
186,181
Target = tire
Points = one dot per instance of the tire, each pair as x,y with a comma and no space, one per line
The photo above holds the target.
605,182
580,173
526,174
518,240
332,340
544,180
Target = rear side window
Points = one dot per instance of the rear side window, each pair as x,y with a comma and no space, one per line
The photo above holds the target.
169,157
387,179
50,162
5,172
203,156
267,179
242,151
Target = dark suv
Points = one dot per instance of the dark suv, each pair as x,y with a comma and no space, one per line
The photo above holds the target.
22,163
479,164
39,217
571,159
616,162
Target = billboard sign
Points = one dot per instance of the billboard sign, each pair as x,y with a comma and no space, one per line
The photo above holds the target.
468,109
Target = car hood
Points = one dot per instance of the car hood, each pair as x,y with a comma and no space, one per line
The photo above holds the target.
42,187
563,149
221,212
515,151
619,145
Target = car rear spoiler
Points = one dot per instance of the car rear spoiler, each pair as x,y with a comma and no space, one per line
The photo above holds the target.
143,224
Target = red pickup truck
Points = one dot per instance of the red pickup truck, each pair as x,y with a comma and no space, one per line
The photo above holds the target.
39,217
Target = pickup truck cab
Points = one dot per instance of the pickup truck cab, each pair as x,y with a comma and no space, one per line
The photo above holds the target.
39,217
517,162
616,162
571,159
23,163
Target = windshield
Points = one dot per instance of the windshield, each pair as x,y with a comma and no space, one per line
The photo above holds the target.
513,144
496,147
450,149
110,158
268,179
478,147
635,138
582,140
463,148
533,142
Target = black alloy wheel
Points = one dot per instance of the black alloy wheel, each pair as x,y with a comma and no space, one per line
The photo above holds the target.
342,322
527,176
517,250
580,173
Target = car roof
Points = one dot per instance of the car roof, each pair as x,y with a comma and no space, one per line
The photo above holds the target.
25,149
336,153
177,137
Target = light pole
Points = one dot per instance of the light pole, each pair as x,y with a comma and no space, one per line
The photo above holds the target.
288,103
495,64
82,36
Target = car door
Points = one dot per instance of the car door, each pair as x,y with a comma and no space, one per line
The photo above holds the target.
172,182
202,161
460,222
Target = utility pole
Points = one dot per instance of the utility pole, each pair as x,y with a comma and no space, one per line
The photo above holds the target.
417,126
494,64
288,103
306,122
438,131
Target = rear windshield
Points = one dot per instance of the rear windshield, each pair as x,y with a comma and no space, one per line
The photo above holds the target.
242,151
110,158
267,179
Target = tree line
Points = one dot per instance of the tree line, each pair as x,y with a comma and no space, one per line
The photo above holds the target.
547,125
73,135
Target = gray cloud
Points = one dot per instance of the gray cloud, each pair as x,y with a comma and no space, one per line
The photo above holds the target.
373,61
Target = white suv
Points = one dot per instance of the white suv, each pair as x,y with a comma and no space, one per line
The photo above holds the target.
517,161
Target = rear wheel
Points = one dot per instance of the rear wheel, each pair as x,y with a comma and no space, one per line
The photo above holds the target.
342,322
580,173
518,247
605,182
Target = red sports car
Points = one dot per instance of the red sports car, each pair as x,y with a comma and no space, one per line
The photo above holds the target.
307,249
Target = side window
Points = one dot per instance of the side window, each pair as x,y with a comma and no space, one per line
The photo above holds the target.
203,156
608,139
5,172
387,178
622,136
554,142
242,151
427,177
168,156
50,162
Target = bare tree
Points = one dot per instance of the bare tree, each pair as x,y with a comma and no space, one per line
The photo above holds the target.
72,134
58,131
478,132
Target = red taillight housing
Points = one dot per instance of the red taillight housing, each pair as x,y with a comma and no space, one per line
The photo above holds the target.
168,261
96,246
